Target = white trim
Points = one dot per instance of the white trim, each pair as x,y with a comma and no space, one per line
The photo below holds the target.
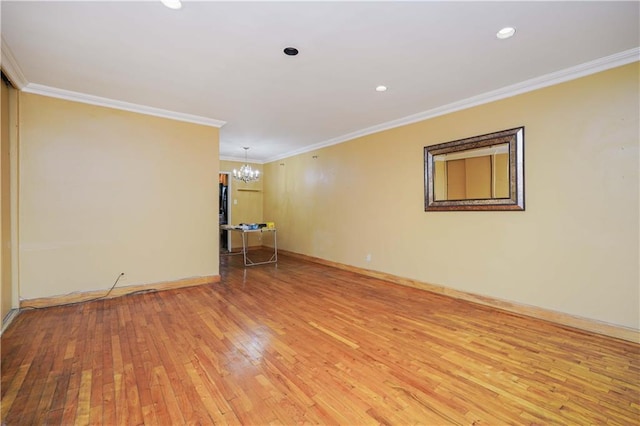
241,160
14,72
53,92
582,70
14,194
11,67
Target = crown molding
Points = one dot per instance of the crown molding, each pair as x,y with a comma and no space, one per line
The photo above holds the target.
240,160
11,68
572,73
15,74
53,92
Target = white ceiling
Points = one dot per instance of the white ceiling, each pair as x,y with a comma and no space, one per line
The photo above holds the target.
215,62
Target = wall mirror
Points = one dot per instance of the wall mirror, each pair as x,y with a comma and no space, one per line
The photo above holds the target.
479,173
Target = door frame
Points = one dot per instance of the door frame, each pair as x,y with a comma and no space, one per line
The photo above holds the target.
229,204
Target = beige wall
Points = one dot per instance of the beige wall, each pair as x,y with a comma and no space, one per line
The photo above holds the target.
440,181
478,176
104,191
249,202
500,175
8,111
456,179
574,249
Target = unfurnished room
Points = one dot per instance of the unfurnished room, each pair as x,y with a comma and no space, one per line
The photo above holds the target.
318,212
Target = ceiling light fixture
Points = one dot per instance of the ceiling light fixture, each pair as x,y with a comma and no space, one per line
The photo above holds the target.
172,4
505,33
246,173
381,88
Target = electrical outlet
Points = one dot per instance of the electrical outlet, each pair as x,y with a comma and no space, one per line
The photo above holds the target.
368,257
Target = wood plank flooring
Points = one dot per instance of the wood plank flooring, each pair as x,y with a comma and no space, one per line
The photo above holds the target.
299,343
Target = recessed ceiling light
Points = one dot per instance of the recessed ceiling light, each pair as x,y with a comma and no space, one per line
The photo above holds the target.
505,33
172,4
381,89
291,51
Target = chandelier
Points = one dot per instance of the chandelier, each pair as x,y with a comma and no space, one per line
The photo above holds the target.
246,173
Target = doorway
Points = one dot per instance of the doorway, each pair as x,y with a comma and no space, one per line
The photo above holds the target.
224,210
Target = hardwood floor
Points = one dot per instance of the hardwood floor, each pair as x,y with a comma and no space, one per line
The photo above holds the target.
305,343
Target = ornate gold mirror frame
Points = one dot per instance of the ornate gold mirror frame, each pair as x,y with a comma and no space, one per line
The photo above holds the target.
479,173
